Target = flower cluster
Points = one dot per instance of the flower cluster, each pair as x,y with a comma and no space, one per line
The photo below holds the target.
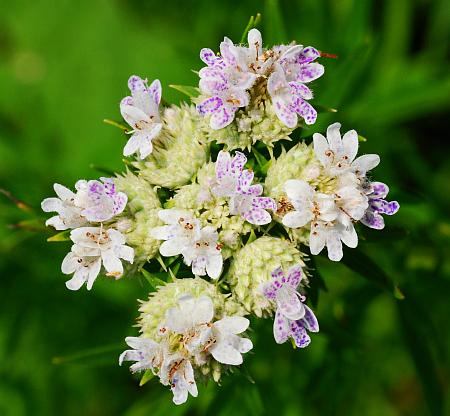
222,236
88,213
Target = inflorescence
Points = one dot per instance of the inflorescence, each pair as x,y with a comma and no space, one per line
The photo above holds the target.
239,227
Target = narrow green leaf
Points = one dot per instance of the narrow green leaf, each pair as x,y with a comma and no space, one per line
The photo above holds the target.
62,236
154,281
186,89
262,161
253,22
88,353
252,237
362,264
115,124
161,262
148,375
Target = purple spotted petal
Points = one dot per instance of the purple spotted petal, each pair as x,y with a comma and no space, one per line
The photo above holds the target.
384,207
244,181
213,85
379,190
265,202
285,113
120,201
257,216
305,110
270,290
222,164
136,84
222,117
126,101
300,90
298,332
211,59
281,328
310,72
210,105
310,321
155,91
226,50
254,190
373,220
294,276
307,55
237,163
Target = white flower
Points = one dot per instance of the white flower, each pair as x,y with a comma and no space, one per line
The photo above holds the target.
177,372
193,319
308,205
338,154
292,316
198,246
141,112
69,215
147,354
329,216
99,201
92,247
228,347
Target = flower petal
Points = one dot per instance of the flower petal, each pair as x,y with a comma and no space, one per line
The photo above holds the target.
334,246
305,110
310,320
210,105
308,54
281,330
204,311
297,219
309,72
232,325
112,263
298,332
214,266
364,163
155,91
350,144
172,247
222,117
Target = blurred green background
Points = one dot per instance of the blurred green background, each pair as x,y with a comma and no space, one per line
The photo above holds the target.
63,69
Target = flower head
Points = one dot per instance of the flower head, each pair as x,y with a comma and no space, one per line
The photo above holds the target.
292,317
189,339
141,112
